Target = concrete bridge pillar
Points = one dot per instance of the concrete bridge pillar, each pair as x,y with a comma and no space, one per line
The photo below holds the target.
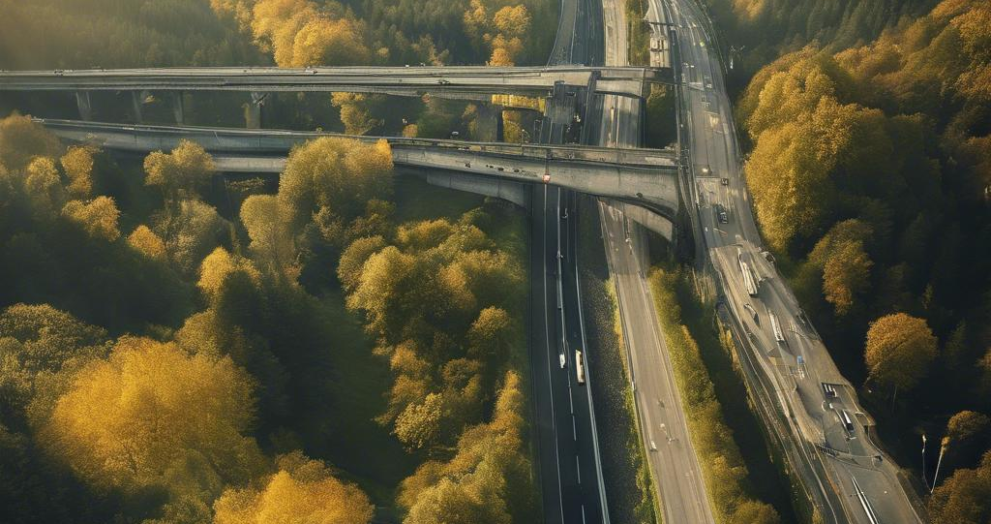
177,108
85,106
253,110
137,105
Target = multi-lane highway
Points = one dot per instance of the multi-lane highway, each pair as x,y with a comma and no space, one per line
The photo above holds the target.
571,472
845,476
664,433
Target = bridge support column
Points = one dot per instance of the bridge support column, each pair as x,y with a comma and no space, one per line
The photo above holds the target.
253,110
587,108
85,106
177,108
137,105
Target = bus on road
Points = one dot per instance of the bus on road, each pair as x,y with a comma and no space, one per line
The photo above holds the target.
776,328
579,367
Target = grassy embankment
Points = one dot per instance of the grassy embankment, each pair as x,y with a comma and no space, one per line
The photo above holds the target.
629,486
719,419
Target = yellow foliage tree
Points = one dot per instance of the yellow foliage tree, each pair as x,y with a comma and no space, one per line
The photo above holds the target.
354,113
512,21
300,35
97,217
77,163
140,417
187,168
145,241
302,490
22,140
219,265
899,350
44,187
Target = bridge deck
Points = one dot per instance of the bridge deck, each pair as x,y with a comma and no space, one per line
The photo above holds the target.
645,175
476,80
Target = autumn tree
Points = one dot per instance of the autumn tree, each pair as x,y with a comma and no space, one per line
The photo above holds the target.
486,481
420,423
353,259
181,173
37,343
966,433
302,490
190,231
77,163
21,140
899,350
332,191
845,276
151,413
299,34
272,241
145,241
355,115
963,497
218,266
97,217
44,188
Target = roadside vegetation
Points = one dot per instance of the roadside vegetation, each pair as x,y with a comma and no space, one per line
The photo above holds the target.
725,472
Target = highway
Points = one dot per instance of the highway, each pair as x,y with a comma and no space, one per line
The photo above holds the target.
473,82
844,474
674,465
570,467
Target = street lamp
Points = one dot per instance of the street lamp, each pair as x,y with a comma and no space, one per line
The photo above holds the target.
942,449
924,479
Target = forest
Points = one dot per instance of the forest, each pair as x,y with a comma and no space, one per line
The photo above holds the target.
180,346
163,363
868,126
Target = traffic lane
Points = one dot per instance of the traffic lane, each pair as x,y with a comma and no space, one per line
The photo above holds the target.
664,430
583,437
567,418
541,366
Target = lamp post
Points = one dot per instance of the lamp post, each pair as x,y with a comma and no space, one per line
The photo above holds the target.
924,479
942,449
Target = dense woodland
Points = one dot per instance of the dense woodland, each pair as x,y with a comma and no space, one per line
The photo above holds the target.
177,346
162,363
869,130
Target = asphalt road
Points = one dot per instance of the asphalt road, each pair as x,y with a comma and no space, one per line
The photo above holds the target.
664,431
846,474
571,477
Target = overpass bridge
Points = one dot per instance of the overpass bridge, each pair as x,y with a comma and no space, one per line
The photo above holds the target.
648,177
478,83
411,81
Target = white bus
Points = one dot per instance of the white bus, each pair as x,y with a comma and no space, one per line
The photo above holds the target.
776,328
847,422
579,367
748,278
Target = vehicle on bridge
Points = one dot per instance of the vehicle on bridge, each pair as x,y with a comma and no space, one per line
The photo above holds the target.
579,367
748,277
776,328
847,421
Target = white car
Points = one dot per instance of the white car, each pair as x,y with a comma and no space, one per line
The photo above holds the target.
563,360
